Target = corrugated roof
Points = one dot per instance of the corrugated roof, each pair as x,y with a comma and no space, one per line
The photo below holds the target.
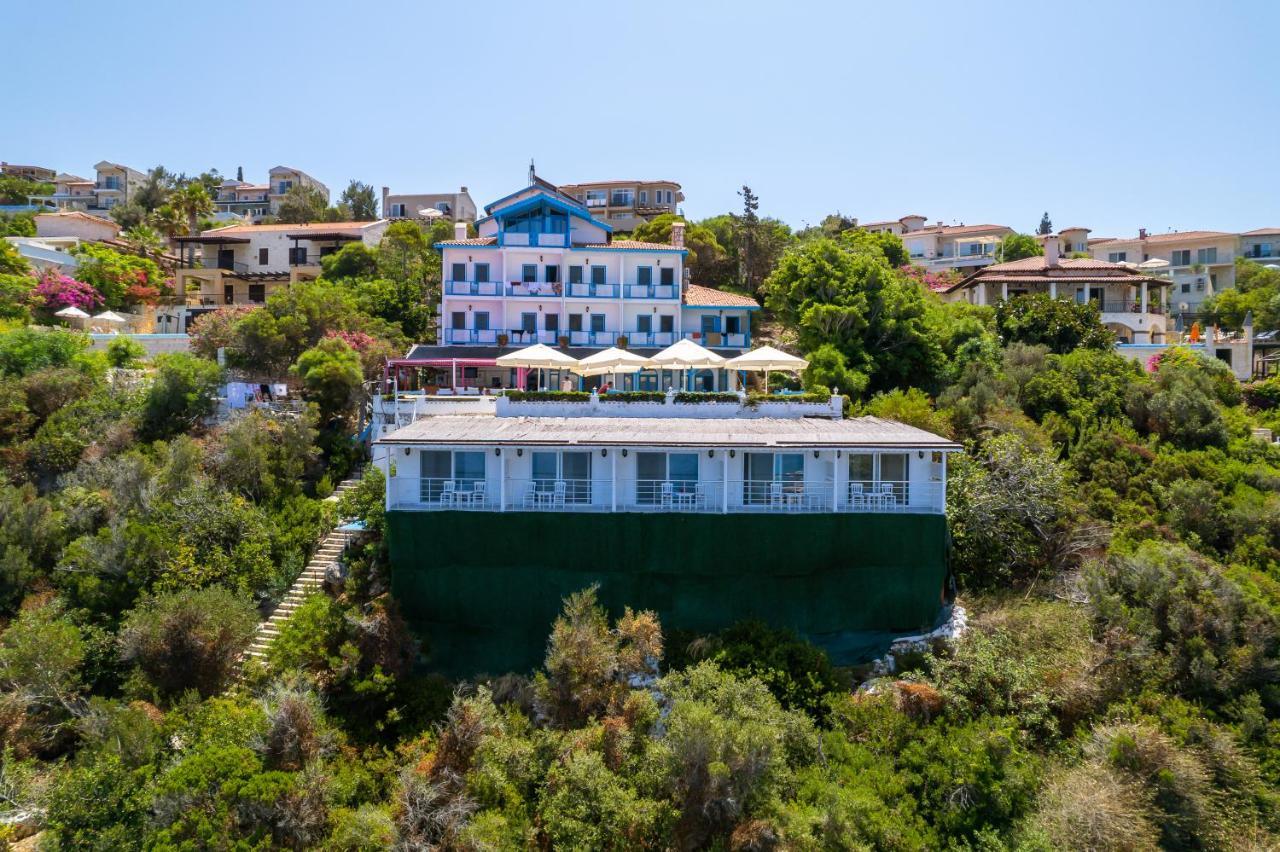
764,432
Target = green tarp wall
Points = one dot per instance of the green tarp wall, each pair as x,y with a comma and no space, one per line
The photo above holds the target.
485,587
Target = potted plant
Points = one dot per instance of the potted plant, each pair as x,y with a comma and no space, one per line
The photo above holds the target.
622,342
564,341
503,339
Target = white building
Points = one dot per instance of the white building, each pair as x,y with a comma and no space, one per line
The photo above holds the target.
1199,263
941,247
455,206
627,204
281,179
544,270
112,186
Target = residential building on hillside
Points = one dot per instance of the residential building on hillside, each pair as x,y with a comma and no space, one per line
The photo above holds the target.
283,178
245,264
36,173
113,185
626,204
1261,245
77,224
707,512
944,247
1132,304
1200,263
240,198
456,206
544,270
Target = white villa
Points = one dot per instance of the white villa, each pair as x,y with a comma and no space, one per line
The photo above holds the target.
544,270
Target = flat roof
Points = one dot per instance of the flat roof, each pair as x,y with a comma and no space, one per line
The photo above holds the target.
764,432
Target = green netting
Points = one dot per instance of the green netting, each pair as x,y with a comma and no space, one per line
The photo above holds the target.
484,587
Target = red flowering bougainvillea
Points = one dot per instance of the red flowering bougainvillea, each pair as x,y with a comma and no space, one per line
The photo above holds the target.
55,291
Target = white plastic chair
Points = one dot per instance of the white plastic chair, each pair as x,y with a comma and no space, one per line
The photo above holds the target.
668,494
559,493
476,495
448,493
857,498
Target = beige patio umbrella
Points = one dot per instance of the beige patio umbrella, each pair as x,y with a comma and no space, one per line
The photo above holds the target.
686,355
613,361
766,359
539,357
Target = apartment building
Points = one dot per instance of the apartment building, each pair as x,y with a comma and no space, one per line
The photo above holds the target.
281,179
36,173
626,204
1261,245
113,184
1198,263
245,264
455,206
243,199
939,247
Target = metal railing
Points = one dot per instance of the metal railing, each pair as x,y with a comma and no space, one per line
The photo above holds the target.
734,496
538,289
225,265
472,335
593,338
1127,307
716,339
585,290
472,288
309,259
652,291
650,338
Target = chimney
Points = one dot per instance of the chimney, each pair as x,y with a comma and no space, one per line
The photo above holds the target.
1052,250
464,189
1142,233
677,235
459,230
386,190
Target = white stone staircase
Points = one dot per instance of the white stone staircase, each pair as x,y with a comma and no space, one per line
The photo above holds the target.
308,582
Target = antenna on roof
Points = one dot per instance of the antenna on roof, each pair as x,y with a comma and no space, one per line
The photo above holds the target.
532,175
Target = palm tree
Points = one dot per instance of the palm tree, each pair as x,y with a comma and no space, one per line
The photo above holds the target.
193,201
169,221
144,240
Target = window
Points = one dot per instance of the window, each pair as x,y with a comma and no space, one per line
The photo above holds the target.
529,273
551,322
575,322
764,469
595,198
644,197
229,294
1207,255
862,468
666,323
528,322
597,275
733,325
458,320
459,272
257,293
575,274
283,186
1117,256
597,322
436,467
551,274
667,276
262,256
670,197
297,256
893,467
621,198
573,468
482,272
1181,257
661,474
481,321
468,466
396,210
644,276
1186,288
710,324
644,323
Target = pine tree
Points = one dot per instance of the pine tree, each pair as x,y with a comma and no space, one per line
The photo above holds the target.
1046,224
747,224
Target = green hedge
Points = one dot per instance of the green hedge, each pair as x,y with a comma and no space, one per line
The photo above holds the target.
702,396
548,396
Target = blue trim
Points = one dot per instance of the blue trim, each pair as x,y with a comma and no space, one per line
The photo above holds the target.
441,246
488,208
681,252
571,210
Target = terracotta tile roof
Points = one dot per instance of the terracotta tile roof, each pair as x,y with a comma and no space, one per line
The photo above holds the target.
1080,270
79,214
1178,236
697,296
1261,232
957,230
567,186
633,245
470,241
313,226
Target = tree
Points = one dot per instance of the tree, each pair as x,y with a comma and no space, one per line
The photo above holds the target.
125,352
193,202
1046,225
169,221
182,392
144,239
331,376
41,654
188,639
1060,324
129,214
113,273
155,190
829,370
705,251
360,200
302,204
1018,246
55,291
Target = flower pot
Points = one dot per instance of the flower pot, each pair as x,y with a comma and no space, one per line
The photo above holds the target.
503,340
622,342
564,342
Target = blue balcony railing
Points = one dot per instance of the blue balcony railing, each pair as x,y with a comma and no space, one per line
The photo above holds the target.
584,290
652,291
650,338
472,335
593,338
473,288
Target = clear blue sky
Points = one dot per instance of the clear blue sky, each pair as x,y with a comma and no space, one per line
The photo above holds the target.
1112,115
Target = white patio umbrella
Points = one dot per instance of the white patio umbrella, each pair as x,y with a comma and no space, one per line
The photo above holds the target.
72,312
1153,263
766,359
613,361
686,355
539,357
430,213
109,316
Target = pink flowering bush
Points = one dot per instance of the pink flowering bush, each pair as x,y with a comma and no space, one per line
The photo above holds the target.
373,351
54,291
934,281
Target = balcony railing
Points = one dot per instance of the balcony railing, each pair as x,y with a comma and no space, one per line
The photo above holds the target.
225,265
1123,307
593,338
309,259
585,290
713,339
650,338
715,496
473,288
472,335
652,291
535,289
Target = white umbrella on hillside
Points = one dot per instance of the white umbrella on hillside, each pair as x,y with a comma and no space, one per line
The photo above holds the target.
71,312
109,316
539,357
686,355
765,360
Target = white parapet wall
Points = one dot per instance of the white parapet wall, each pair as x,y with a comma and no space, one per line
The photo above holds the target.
602,406
155,344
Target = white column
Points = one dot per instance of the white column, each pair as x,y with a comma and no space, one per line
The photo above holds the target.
614,486
837,486
724,488
502,483
1053,289
1004,291
1144,297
